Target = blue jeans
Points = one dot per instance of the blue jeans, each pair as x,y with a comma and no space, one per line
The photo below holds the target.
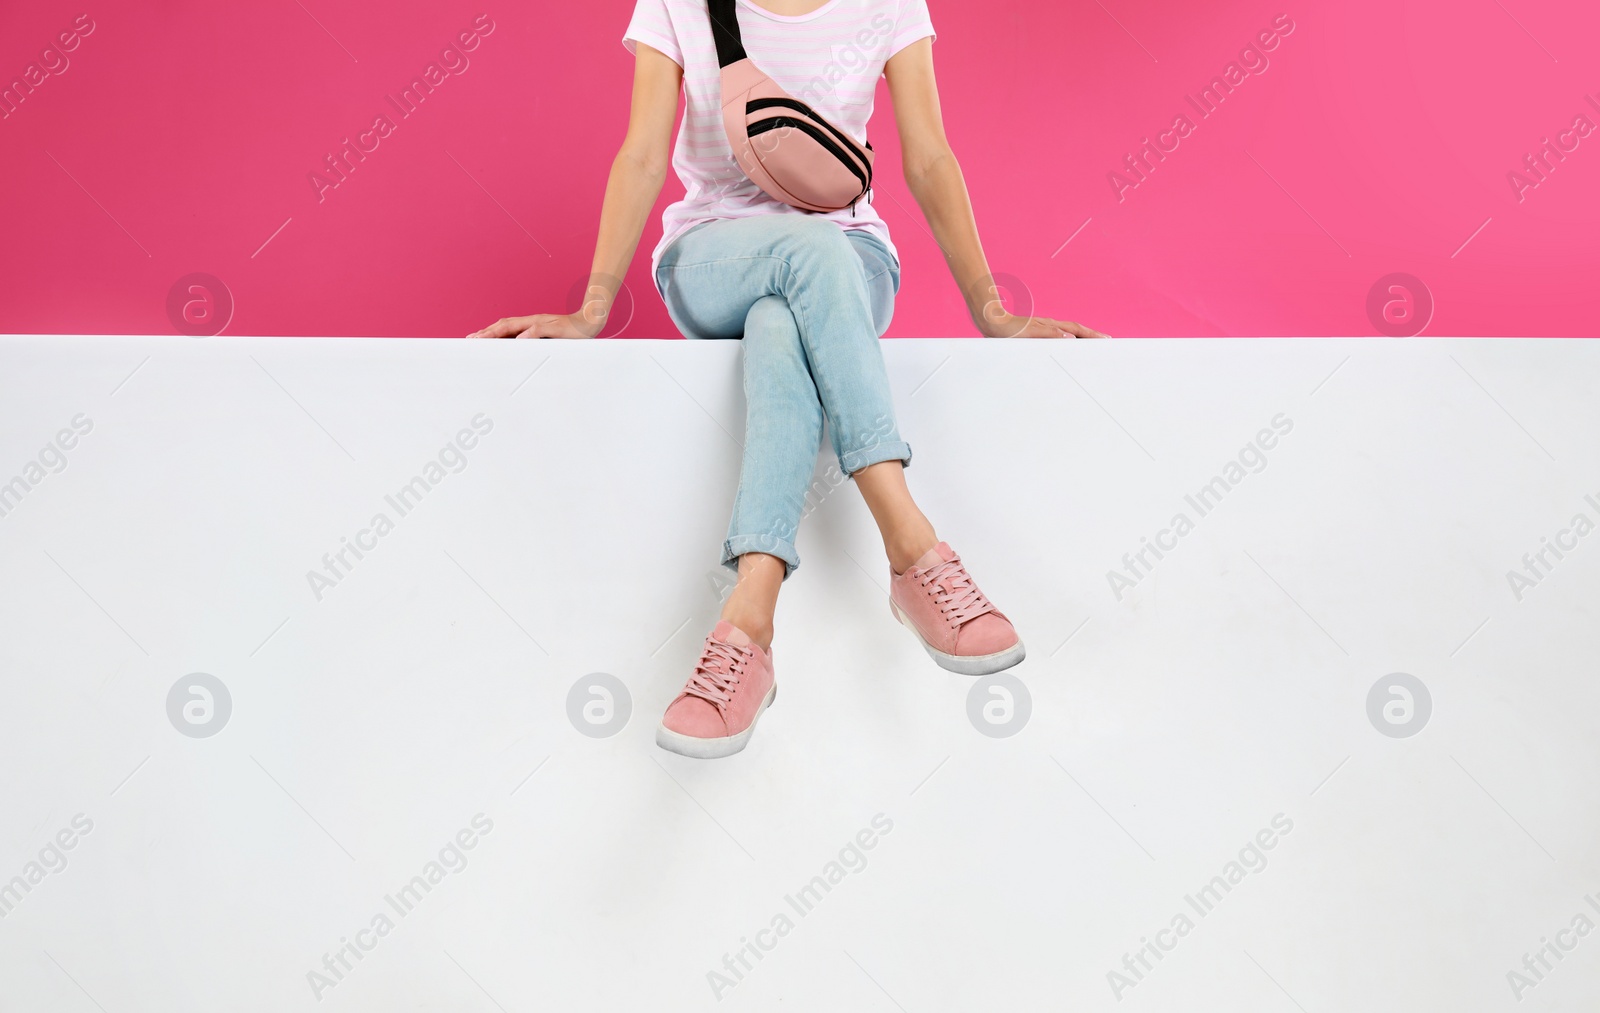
810,301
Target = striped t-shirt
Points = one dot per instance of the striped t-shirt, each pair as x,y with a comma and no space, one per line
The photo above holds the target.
831,58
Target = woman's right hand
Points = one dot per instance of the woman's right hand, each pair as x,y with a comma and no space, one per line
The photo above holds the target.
541,325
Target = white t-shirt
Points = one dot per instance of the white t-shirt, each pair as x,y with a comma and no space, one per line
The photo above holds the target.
830,59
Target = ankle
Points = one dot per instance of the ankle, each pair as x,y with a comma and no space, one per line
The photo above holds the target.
752,623
904,550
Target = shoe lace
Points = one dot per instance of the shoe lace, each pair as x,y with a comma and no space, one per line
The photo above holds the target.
719,671
957,596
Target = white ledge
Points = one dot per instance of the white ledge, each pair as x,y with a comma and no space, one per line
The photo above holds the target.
1179,702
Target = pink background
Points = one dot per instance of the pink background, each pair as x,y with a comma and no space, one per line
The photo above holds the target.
1379,140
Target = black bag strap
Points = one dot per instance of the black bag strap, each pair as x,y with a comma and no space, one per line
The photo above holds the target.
725,30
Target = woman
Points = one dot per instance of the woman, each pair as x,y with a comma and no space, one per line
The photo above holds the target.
810,294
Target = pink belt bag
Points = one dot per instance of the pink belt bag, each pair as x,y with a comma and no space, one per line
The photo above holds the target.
786,147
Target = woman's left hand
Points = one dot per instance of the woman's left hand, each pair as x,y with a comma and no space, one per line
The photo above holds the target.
1010,326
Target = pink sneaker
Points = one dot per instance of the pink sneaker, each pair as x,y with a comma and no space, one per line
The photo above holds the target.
960,629
716,713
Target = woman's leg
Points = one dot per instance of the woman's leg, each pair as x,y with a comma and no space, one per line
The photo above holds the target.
776,281
753,603
784,410
907,534
783,429
931,591
810,304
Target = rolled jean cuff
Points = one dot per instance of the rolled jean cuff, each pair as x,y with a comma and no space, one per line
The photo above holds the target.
738,545
855,460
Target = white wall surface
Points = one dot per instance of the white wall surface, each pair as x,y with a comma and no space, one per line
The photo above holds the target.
1167,728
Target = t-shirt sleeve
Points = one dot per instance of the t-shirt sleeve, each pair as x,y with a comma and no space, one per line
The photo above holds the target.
652,25
913,24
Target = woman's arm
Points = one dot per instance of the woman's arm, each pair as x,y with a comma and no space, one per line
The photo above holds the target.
637,174
937,183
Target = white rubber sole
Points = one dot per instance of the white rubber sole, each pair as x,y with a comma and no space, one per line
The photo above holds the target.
711,749
982,664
